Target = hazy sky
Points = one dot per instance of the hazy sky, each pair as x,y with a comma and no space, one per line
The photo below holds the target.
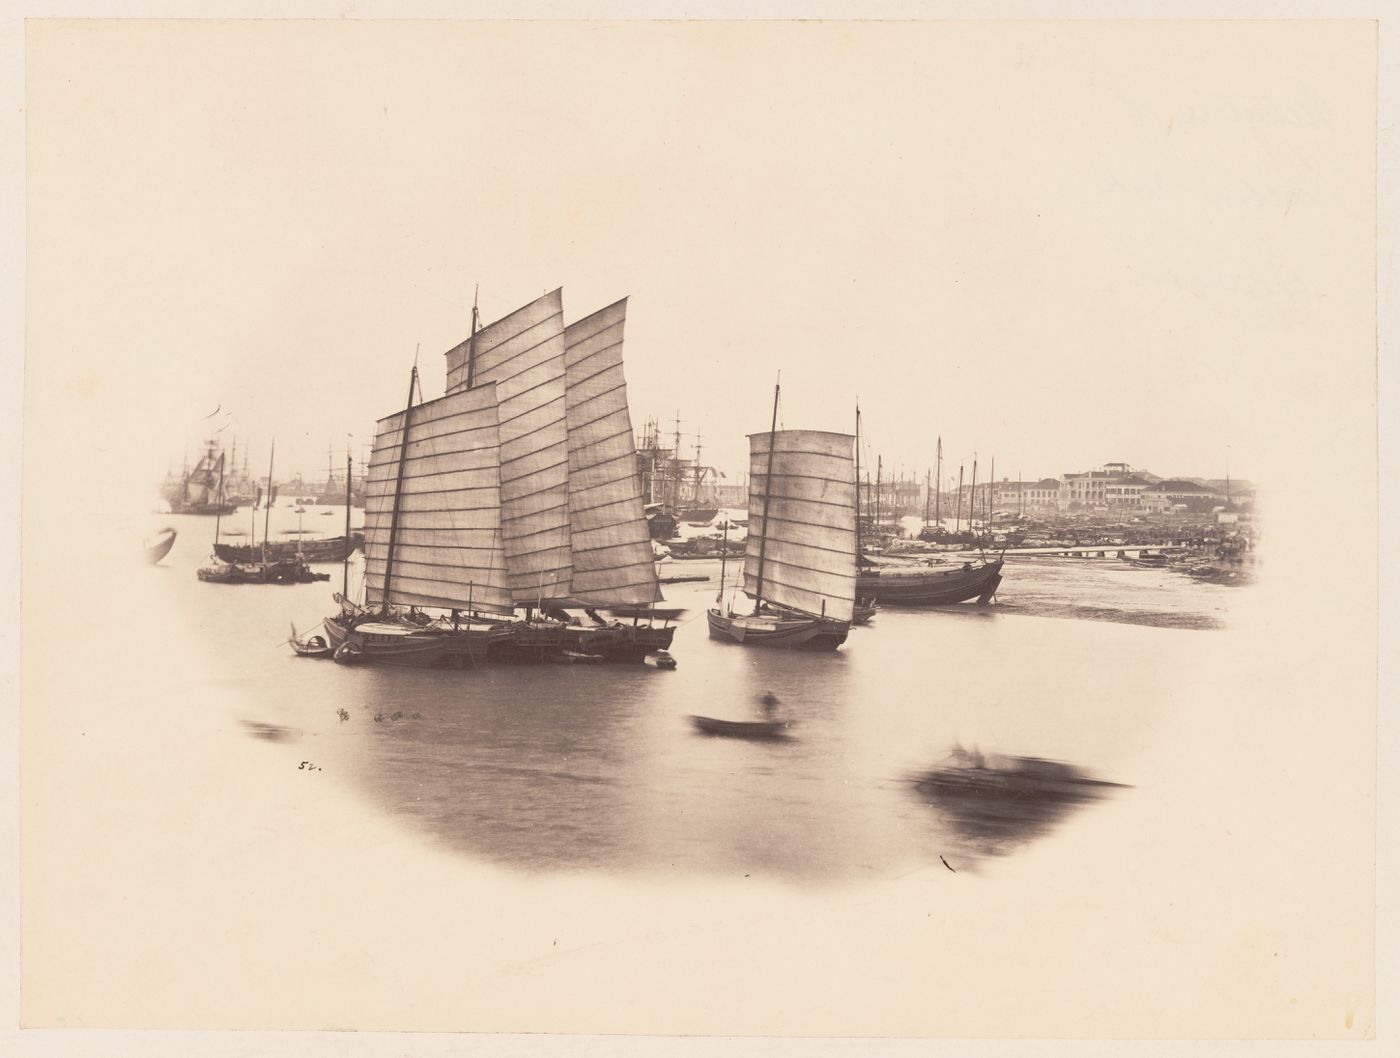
1055,244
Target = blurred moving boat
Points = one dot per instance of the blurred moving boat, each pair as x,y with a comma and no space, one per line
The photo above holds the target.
970,775
310,647
159,546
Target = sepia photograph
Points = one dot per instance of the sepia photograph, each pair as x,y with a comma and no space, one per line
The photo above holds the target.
681,529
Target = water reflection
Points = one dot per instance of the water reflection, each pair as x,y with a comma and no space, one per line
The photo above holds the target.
598,768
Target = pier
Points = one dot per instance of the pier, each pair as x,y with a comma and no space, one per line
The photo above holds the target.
1082,551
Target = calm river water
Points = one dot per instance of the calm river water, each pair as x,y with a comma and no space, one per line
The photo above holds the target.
551,768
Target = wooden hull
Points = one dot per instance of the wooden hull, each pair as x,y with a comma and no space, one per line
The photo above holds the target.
260,573
753,729
929,586
331,550
179,507
526,642
789,631
383,643
619,642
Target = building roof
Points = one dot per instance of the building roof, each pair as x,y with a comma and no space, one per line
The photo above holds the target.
1047,483
1177,485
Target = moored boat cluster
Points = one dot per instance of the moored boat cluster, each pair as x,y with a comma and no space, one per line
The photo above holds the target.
506,517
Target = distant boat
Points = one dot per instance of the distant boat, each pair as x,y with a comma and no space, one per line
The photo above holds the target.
158,547
1219,575
922,584
1148,561
914,584
331,549
799,564
288,571
201,490
754,729
265,569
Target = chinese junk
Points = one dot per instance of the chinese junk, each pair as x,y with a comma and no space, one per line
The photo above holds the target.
432,537
800,557
516,491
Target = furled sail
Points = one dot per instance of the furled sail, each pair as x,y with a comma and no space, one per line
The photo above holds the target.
447,543
523,354
806,545
613,563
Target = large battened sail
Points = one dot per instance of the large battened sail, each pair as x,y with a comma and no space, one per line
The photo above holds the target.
447,542
802,553
523,354
613,562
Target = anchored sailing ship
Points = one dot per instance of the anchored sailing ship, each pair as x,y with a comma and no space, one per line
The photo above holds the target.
800,555
198,492
432,537
518,490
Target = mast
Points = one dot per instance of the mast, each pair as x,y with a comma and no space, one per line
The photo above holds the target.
398,489
697,470
675,474
1020,494
991,490
471,342
345,583
972,506
857,481
957,520
879,474
267,513
219,502
767,495
938,481
723,563
928,488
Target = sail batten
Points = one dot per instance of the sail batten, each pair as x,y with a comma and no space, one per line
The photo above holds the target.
806,541
613,562
523,355
446,527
